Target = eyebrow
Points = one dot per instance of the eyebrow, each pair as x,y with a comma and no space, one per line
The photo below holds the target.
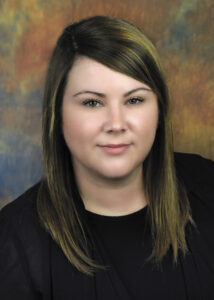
103,95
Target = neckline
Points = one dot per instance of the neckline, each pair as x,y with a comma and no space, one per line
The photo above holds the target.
129,216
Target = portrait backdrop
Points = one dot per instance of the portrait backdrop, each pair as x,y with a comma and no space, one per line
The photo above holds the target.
182,31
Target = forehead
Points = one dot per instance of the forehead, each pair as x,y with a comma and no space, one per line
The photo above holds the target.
88,73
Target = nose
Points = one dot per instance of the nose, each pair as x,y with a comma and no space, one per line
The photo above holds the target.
115,120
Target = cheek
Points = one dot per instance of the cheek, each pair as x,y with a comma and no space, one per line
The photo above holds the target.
146,123
79,130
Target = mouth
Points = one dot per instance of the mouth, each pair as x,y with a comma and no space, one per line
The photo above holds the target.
114,149
115,145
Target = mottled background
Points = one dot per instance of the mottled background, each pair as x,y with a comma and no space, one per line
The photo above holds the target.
182,30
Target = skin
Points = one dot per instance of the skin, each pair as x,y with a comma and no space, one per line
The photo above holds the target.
117,110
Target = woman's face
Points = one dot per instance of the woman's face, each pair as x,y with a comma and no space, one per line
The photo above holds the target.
103,109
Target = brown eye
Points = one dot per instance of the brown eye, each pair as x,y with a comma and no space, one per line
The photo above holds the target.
135,100
91,103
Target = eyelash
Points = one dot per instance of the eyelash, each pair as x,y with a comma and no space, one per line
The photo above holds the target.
86,102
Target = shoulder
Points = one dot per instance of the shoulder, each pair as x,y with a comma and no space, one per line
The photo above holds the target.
23,244
197,174
19,217
19,222
194,169
24,207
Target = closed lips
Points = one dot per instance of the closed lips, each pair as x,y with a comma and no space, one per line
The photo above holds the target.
115,146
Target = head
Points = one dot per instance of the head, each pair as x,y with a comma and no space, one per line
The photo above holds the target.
120,46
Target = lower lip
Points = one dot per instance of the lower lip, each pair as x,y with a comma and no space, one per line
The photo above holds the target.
117,150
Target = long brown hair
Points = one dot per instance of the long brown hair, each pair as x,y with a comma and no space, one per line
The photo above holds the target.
123,47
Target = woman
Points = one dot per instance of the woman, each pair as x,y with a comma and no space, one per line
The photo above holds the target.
117,215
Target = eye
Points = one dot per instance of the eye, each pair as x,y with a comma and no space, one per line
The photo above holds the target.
135,100
91,103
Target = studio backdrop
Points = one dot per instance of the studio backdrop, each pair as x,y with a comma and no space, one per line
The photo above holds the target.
182,31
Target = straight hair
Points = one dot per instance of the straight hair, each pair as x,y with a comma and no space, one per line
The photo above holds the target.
124,48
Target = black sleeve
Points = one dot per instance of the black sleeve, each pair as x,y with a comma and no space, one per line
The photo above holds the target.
15,283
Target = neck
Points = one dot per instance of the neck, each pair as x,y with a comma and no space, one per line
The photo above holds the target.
112,197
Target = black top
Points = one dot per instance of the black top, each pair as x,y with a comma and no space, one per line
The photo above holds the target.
127,244
32,266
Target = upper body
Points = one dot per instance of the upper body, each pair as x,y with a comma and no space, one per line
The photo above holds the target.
33,266
112,194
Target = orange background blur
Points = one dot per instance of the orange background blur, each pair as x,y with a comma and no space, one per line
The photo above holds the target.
182,30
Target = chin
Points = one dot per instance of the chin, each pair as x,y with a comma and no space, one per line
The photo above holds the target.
114,177
120,173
